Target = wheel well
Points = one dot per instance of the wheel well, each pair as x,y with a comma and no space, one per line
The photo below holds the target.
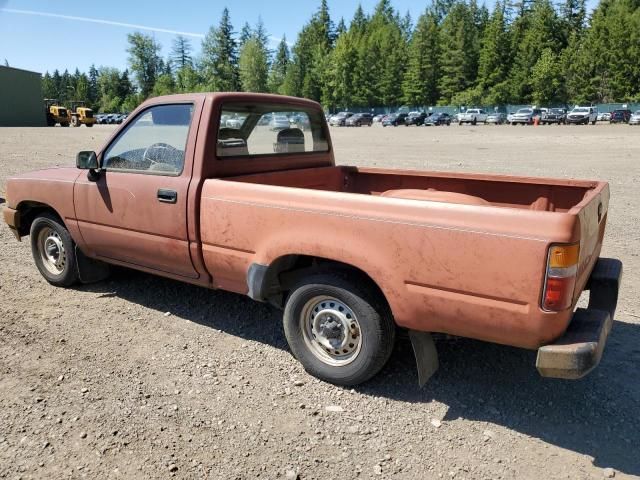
284,272
29,211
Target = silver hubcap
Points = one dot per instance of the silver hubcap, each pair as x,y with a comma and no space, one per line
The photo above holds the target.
51,248
331,330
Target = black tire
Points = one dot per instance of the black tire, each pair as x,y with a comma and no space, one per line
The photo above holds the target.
89,125
65,124
376,328
474,122
593,123
52,227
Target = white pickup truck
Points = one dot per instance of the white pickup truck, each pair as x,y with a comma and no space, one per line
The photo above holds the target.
473,116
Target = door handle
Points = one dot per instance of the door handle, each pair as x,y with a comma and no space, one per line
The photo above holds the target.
167,196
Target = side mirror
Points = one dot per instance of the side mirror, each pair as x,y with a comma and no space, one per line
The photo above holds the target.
87,160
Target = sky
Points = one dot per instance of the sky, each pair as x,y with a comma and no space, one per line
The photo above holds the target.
41,35
33,41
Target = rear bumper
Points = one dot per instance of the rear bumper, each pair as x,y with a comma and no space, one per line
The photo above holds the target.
579,350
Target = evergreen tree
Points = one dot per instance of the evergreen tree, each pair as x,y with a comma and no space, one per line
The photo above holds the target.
254,66
144,61
493,64
459,55
181,52
420,86
341,28
220,57
93,88
81,88
307,77
245,34
109,88
56,80
279,67
48,86
546,79
125,88
542,33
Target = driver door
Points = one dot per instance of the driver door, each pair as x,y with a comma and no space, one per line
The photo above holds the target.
136,211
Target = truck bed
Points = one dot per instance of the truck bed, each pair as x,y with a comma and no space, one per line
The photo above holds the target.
477,248
529,193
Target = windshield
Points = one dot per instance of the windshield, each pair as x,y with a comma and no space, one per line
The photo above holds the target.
556,110
637,112
581,110
341,114
525,110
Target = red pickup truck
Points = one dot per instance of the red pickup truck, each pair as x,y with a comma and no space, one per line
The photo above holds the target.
240,192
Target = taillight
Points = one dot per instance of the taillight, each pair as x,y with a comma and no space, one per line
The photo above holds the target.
560,281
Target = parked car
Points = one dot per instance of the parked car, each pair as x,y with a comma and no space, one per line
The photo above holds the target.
620,116
438,119
278,122
514,254
378,118
394,120
497,118
236,122
525,116
604,117
338,120
554,115
634,119
359,119
415,118
472,116
582,116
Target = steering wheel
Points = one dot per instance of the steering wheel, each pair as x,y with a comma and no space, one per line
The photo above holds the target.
165,154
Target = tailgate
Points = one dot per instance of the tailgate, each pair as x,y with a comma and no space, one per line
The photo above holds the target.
592,219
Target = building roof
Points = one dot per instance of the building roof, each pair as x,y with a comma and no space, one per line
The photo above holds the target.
21,70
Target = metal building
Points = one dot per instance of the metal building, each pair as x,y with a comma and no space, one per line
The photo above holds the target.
21,102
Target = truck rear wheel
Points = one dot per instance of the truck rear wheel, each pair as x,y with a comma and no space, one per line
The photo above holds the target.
53,251
340,332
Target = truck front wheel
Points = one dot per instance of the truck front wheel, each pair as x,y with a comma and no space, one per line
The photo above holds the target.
340,332
53,251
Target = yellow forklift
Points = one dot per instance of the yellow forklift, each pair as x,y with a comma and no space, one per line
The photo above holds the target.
56,113
81,115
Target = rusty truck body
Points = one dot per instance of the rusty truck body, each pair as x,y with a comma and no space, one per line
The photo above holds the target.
202,188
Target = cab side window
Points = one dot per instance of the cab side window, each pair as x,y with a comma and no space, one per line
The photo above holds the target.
154,142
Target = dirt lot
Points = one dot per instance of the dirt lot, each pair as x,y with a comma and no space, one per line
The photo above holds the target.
100,381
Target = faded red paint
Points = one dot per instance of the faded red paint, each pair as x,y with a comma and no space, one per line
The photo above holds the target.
463,254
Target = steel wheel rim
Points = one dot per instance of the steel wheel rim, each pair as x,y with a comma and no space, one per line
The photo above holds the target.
331,330
52,252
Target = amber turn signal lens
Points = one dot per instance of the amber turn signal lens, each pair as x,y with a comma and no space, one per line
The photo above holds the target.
563,256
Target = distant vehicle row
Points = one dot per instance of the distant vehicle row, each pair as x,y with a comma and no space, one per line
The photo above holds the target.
473,116
111,118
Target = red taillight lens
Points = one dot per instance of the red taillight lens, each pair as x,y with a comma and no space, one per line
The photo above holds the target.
560,282
559,293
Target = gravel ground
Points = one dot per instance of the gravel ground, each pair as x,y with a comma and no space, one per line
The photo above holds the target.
142,377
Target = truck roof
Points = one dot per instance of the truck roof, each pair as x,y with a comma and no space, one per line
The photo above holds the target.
236,97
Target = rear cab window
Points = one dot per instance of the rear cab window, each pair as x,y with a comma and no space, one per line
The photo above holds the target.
269,129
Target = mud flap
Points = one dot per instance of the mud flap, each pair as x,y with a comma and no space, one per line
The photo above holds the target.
426,355
90,270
